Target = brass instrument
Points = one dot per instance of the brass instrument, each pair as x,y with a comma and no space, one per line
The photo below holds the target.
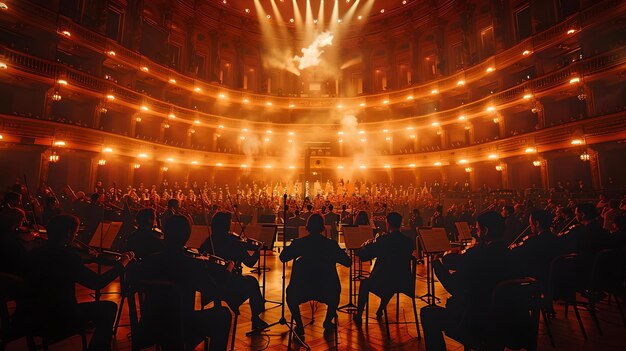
207,257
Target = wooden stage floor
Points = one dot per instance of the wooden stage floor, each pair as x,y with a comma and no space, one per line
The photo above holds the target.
403,336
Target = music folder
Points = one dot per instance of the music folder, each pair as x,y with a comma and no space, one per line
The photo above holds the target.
434,240
199,233
109,231
264,234
356,236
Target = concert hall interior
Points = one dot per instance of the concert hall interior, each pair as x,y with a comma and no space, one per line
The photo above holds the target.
186,173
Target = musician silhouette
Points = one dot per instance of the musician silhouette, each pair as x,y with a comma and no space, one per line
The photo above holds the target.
189,275
145,240
392,271
331,218
314,275
239,288
172,209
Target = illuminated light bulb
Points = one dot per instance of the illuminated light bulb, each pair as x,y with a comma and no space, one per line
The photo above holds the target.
292,105
244,166
385,102
584,156
196,121
339,106
62,82
166,126
385,130
492,156
490,69
145,69
339,167
435,124
142,155
137,165
110,97
197,89
434,91
412,136
536,163
244,130
528,96
247,10
361,132
268,131
412,165
462,161
172,80
577,142
220,126
138,119
526,52
107,150
192,131
111,53
339,20
144,108
467,127
292,167
574,80
268,17
496,120
54,158
268,166
409,128
386,166
437,164
242,137
362,167
388,138
290,141
268,103
410,97
461,118
194,162
491,108
245,101
165,169
340,140
56,96
363,140
66,33
266,140
460,82
359,18
3,65
222,96
172,116
468,169
571,31
340,132
362,104
382,10
530,150
291,133
170,160
499,168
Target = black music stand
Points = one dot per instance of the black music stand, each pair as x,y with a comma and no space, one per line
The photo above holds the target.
354,238
265,234
434,241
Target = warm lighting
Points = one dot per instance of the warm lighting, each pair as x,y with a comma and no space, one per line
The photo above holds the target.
340,132
385,130
170,160
220,126
362,167
499,168
412,165
435,124
460,82
584,156
165,169
468,169
137,165
192,131
339,167
194,162
102,162
530,150
577,142
107,150
59,143
268,103
496,120
56,96
144,108
266,140
386,166
197,89
385,102
222,96
434,91
292,105
138,119
536,163
290,141
526,52
197,121
339,106
172,80
292,167
388,138
492,156
528,96
110,97
54,158
491,108
166,125
111,53
461,118
242,137
66,33
490,69
244,166
245,130
268,132
142,155
268,166
362,104
172,116
145,69
409,128
462,161
574,80
3,65
363,140
410,97
291,133
412,136
62,82
571,31
437,164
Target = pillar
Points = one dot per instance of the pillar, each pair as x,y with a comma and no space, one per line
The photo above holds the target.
93,172
594,167
541,120
589,100
545,174
504,175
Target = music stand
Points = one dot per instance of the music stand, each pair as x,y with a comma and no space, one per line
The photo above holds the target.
434,241
465,233
354,238
302,232
108,232
266,235
197,237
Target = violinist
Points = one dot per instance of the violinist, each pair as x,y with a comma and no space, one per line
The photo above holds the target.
92,216
189,275
145,240
172,209
52,273
331,218
314,274
240,288
392,271
586,238
50,209
470,283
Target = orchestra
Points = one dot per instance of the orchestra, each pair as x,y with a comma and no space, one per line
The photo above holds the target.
155,249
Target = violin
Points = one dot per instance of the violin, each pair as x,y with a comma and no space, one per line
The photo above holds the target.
249,243
212,259
91,254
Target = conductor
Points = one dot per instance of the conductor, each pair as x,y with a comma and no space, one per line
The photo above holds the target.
314,274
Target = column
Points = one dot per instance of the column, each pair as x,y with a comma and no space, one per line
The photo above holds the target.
545,174
445,138
501,126
162,131
190,132
538,110
594,167
44,164
587,92
93,172
504,175
367,68
470,133
133,125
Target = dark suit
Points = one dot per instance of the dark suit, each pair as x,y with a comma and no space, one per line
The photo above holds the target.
191,275
332,219
392,271
51,300
314,275
240,287
479,270
144,242
533,256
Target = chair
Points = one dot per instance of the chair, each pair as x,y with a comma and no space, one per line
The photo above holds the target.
607,275
410,294
9,287
336,339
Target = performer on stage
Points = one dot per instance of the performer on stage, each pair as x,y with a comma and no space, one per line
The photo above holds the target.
145,240
392,271
240,287
314,275
172,209
331,218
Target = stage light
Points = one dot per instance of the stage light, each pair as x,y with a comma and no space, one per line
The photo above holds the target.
66,33
59,143
172,116
172,80
530,150
574,80
142,155
492,156
462,161
461,118
499,168
110,97
437,164
102,162
107,150
111,53
145,69
490,69
577,142
460,82
528,96
526,52
3,65
62,82
386,166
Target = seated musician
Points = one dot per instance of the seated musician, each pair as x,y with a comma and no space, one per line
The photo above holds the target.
512,225
240,288
586,238
172,209
295,220
12,250
532,256
145,240
53,271
392,271
331,218
191,275
478,271
314,276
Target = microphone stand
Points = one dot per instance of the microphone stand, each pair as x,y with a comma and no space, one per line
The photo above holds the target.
283,320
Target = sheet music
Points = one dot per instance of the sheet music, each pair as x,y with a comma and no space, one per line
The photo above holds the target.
109,232
356,236
434,240
464,231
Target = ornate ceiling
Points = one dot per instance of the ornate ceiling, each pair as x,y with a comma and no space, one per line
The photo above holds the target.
365,8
